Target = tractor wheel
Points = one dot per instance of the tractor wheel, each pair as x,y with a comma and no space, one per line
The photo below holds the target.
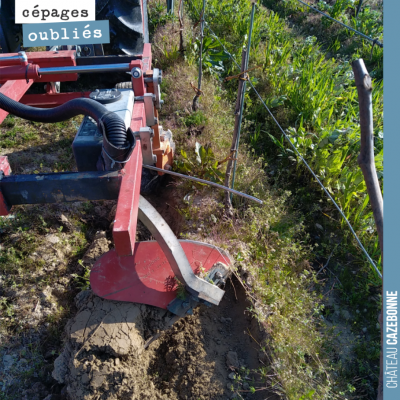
128,25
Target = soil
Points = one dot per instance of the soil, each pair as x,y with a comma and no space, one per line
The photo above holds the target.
105,358
208,355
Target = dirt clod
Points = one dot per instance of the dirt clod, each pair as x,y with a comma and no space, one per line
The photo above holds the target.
232,360
104,356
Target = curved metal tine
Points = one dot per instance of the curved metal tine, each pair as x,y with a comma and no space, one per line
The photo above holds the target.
172,249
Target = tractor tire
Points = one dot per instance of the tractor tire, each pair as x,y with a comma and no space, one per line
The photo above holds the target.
128,25
10,33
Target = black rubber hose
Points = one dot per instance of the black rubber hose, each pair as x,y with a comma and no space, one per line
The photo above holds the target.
114,126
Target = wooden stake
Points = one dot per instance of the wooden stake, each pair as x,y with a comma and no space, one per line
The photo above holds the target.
234,145
195,104
180,15
366,161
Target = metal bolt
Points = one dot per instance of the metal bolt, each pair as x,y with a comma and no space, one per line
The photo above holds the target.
23,56
218,275
160,76
136,72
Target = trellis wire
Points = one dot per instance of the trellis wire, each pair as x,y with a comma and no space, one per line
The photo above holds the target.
300,156
374,41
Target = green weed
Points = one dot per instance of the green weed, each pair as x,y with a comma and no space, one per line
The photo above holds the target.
195,118
204,165
82,280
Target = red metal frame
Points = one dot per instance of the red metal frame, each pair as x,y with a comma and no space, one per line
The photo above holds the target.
52,59
124,230
16,61
17,79
138,83
30,71
147,277
146,57
43,59
48,100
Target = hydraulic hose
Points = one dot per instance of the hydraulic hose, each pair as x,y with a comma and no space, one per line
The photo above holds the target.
114,126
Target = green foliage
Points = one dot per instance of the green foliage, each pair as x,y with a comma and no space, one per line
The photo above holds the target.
203,165
195,118
315,98
308,395
334,36
181,292
157,14
82,281
212,56
6,307
170,55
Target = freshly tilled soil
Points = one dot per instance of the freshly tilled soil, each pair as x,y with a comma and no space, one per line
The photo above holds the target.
105,358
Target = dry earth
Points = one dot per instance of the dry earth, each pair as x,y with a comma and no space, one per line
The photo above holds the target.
212,354
198,358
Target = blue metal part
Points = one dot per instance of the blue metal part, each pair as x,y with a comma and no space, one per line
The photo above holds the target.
170,6
217,275
60,187
182,307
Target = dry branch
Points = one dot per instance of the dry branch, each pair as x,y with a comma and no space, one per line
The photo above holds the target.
366,161
180,14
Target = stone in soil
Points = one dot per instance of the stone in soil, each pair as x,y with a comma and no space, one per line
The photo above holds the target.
232,360
8,362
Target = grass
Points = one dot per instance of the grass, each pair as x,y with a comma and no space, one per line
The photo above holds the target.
34,147
335,39
276,245
31,264
313,98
